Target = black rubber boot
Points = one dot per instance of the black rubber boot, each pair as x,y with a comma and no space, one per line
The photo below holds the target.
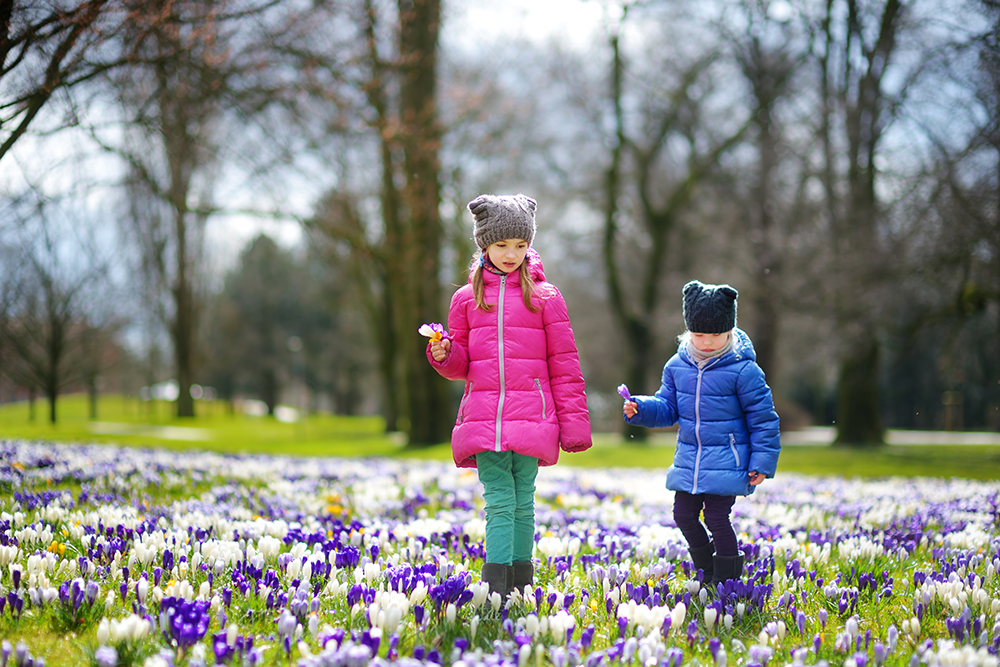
524,574
726,568
499,577
703,560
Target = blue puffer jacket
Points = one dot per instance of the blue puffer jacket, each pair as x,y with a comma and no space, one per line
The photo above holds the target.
728,425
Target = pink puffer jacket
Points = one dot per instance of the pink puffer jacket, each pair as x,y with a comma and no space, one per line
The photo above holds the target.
523,387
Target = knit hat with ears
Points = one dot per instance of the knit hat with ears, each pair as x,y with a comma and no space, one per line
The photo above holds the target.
501,217
709,309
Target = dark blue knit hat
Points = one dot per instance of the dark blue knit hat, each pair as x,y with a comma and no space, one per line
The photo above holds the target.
709,309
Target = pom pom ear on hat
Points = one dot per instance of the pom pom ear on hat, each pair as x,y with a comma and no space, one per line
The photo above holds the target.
709,308
501,217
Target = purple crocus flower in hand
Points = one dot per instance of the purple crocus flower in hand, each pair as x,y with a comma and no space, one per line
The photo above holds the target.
623,390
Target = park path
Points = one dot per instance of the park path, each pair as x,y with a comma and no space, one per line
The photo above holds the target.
823,435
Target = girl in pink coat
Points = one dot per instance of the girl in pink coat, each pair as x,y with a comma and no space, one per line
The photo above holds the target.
510,340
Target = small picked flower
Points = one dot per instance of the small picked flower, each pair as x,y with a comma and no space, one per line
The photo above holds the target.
434,331
623,390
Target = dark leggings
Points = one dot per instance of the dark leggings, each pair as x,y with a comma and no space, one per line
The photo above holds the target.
688,507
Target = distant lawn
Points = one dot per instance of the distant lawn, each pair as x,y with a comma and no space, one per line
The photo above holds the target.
127,421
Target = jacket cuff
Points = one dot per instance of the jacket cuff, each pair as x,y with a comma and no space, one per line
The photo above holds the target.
646,416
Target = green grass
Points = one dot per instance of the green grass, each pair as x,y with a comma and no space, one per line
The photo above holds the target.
142,424
147,424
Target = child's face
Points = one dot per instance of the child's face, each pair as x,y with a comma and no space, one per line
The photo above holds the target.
508,255
709,342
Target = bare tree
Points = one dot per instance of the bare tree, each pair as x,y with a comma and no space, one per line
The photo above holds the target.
49,47
191,69
44,330
854,55
420,135
764,51
399,264
12,263
660,196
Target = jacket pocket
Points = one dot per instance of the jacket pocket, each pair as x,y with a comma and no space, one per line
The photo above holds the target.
732,446
538,383
461,406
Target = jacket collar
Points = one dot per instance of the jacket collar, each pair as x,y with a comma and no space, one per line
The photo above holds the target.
535,268
742,349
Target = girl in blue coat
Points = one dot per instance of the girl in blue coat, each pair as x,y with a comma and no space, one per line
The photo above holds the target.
728,441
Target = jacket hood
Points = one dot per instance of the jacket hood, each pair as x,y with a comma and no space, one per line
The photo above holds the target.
535,268
742,349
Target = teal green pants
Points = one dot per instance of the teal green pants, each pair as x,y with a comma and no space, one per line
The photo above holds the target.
508,482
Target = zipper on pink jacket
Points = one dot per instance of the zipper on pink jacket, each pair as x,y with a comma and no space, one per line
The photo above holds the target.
503,285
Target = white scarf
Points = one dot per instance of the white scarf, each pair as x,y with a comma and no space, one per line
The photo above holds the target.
700,358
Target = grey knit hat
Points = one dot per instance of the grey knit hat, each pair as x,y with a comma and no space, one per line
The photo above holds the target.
709,309
501,217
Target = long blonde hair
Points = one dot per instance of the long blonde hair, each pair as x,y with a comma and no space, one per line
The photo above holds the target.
524,278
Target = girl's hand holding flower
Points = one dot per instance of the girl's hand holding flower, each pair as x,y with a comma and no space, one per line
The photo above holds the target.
631,408
440,348
440,340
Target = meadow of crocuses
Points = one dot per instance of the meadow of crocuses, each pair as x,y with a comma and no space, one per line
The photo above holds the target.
124,556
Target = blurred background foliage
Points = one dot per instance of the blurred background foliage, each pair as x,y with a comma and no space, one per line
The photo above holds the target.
258,202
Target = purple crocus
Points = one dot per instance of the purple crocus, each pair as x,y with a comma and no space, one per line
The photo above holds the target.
184,622
222,650
623,390
714,644
880,653
106,656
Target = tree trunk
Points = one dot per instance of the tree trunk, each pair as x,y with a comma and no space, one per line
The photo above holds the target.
183,325
269,390
388,358
765,329
639,371
633,328
426,392
52,393
858,421
766,320
92,396
854,232
386,315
